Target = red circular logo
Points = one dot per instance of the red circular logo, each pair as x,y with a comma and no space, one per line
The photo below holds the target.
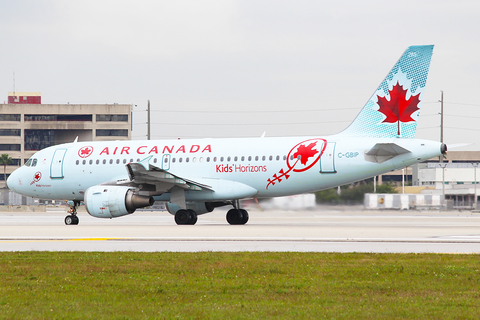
85,152
37,176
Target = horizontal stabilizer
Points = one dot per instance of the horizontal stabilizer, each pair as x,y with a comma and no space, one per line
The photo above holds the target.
382,152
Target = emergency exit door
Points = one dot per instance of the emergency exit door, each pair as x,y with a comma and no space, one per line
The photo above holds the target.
327,160
56,167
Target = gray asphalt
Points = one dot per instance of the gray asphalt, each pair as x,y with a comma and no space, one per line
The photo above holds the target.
327,230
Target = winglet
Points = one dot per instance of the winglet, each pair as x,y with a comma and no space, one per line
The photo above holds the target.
146,162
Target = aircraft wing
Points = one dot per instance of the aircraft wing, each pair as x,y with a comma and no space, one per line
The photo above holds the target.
382,152
161,178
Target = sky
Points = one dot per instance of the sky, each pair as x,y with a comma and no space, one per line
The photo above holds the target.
240,68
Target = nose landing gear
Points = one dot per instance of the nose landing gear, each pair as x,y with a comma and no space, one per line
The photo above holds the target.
72,219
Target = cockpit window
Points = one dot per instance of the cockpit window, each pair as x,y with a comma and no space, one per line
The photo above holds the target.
34,162
28,163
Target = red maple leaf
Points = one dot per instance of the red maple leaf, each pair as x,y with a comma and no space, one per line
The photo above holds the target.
398,108
306,152
85,151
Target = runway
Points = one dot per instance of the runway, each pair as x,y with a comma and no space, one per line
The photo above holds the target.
327,230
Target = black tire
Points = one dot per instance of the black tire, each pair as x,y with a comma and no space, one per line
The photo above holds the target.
183,217
75,220
234,216
194,217
69,220
245,216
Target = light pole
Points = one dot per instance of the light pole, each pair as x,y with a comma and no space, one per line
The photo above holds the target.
443,165
475,165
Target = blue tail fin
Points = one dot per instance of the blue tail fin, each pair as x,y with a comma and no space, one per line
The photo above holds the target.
394,108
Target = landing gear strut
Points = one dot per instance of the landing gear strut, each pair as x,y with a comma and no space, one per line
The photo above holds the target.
236,215
72,219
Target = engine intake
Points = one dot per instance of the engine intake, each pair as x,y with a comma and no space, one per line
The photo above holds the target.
114,201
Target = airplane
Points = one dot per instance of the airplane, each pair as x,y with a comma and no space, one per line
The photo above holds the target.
195,176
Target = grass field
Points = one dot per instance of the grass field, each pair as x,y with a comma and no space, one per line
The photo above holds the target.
90,285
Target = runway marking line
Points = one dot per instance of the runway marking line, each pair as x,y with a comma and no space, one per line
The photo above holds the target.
59,240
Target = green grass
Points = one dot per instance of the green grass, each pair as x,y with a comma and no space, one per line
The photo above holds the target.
91,285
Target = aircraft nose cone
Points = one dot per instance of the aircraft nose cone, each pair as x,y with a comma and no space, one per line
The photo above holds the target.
11,181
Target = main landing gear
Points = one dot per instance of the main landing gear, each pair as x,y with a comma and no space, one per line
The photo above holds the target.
72,219
235,216
186,216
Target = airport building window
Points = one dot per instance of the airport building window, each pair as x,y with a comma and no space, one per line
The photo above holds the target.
112,133
58,117
112,117
10,132
9,147
9,117
39,139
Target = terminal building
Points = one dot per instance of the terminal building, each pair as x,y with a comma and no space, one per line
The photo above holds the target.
27,125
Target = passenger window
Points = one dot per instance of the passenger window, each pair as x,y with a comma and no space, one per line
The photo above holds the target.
200,159
187,160
97,162
173,160
214,159
256,158
221,159
194,159
249,158
84,162
243,158
90,162
278,158
228,159
124,161
77,162
104,161
270,158
118,161
263,158
208,159
235,159
180,160
111,161
291,157
284,157
131,160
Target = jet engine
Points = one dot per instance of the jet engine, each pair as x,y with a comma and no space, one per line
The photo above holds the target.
198,207
114,201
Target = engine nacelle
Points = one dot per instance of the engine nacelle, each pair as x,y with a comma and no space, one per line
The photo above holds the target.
198,207
114,201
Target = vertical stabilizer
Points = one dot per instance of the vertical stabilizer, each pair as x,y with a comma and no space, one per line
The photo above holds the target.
394,108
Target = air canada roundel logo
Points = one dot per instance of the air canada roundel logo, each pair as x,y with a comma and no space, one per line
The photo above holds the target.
85,152
301,157
36,177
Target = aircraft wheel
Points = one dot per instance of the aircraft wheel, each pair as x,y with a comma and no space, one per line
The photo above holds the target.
245,216
234,216
75,220
193,218
182,217
69,220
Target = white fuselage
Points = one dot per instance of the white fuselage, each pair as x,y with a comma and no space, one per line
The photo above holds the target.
233,168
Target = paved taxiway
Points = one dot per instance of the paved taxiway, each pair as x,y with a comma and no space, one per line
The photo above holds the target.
319,230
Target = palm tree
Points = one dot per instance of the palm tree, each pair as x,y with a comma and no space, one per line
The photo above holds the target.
5,159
